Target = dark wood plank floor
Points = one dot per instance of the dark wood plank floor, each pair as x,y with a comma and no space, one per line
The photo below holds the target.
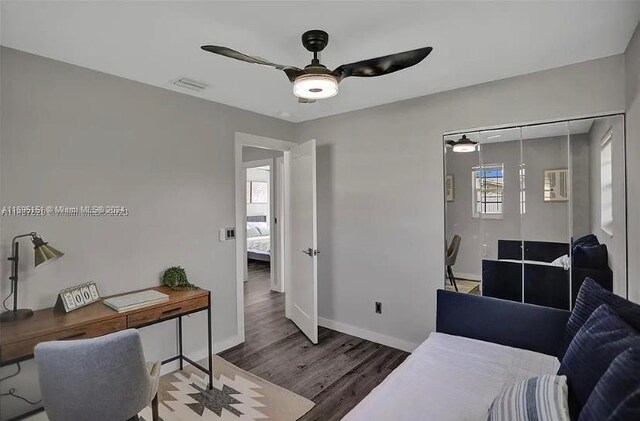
336,374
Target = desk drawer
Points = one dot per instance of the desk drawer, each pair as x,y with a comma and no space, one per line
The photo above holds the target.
25,348
167,311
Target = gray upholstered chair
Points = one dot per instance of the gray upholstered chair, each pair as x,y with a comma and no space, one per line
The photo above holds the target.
452,255
99,379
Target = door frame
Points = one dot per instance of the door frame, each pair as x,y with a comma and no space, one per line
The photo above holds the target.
279,212
240,209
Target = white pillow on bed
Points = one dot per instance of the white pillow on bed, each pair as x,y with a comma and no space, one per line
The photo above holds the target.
544,398
562,261
252,230
263,228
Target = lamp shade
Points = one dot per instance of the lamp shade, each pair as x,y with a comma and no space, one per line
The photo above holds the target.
315,86
44,252
464,145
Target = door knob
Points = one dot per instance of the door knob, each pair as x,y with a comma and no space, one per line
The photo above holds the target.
311,252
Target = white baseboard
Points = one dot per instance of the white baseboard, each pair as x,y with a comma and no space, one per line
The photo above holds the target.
218,347
470,276
368,335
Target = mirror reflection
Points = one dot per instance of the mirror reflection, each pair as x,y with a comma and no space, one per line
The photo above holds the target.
532,211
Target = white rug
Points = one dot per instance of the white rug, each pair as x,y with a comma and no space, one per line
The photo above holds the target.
236,395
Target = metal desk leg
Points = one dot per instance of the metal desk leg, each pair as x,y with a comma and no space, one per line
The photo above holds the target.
210,344
180,343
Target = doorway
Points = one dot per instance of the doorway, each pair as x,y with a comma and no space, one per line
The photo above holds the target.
263,198
291,225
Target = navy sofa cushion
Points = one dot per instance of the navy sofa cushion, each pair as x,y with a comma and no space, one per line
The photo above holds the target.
591,256
599,341
629,408
590,297
613,397
587,240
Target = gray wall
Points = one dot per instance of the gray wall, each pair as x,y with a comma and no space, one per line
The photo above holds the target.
258,174
256,154
459,218
380,188
543,221
581,185
632,71
73,136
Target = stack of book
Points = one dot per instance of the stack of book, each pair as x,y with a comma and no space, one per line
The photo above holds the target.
136,300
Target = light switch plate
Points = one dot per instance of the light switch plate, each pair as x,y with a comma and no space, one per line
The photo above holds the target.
227,234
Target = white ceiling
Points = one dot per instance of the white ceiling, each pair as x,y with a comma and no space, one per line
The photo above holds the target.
474,42
538,131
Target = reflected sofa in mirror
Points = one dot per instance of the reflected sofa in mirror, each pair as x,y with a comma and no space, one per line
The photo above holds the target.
539,208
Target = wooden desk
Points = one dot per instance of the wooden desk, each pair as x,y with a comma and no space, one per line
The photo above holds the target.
18,338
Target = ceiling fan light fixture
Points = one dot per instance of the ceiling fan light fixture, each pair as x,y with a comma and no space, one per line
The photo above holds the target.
315,86
464,144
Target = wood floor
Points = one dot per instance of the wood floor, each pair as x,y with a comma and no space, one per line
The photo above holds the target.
335,374
466,286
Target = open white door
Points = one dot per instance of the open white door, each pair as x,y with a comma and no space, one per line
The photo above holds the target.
302,247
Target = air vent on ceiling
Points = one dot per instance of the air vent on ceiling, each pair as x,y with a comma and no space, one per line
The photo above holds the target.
194,85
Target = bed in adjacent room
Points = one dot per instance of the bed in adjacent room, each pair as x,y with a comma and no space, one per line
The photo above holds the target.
258,238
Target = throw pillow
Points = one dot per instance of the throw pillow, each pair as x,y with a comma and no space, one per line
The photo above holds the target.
590,297
599,341
541,398
591,257
617,394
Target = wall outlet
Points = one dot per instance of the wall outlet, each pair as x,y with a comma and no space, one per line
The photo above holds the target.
378,307
227,234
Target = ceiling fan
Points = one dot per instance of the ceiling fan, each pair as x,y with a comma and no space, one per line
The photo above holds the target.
315,81
464,144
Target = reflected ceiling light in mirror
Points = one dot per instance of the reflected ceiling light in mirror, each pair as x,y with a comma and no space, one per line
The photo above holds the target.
464,144
495,136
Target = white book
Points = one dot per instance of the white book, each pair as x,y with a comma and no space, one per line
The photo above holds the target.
141,305
136,300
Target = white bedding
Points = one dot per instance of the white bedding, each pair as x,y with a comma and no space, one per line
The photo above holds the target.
261,244
450,378
532,262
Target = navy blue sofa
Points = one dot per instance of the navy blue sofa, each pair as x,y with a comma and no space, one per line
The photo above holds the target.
503,322
543,285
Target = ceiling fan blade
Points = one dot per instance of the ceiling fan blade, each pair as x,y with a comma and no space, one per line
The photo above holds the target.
306,101
291,71
382,65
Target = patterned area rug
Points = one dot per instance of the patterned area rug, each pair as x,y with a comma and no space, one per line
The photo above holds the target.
236,395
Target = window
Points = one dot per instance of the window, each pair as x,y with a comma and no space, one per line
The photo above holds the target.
488,190
606,185
556,185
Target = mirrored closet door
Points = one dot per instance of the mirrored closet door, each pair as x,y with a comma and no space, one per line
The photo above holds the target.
531,211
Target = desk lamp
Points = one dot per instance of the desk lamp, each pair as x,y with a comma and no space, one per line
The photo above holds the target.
43,253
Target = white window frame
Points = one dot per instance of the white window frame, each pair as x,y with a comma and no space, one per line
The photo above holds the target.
474,208
522,173
606,184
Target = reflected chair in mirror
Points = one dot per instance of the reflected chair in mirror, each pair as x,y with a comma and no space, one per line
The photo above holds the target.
98,379
452,255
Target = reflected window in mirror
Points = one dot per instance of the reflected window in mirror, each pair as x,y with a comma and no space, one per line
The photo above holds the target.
606,186
488,190
556,185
